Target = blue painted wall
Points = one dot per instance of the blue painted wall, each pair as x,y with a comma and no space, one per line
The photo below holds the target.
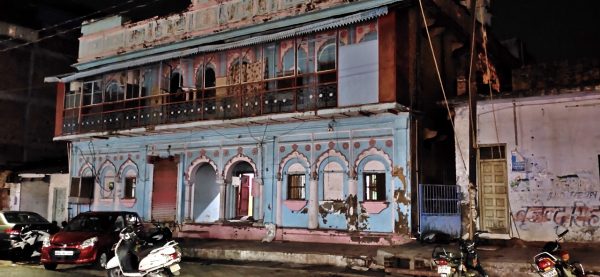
265,146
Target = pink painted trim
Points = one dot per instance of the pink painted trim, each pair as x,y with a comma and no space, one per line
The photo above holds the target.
257,233
128,202
374,207
295,205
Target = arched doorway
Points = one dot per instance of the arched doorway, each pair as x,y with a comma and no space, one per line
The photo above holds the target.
207,199
239,200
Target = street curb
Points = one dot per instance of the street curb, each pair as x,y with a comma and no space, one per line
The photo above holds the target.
281,257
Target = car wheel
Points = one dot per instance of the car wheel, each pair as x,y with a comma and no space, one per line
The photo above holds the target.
101,260
50,266
114,272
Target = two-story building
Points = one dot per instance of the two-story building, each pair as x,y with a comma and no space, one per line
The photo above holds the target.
319,117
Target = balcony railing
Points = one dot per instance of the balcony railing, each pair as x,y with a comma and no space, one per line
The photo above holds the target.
230,102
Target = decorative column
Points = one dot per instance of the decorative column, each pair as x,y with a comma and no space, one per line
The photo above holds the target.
221,182
189,195
313,203
278,215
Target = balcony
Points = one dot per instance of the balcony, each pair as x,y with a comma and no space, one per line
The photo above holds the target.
283,95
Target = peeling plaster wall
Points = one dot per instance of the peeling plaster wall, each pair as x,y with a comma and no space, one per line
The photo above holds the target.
381,137
553,176
111,36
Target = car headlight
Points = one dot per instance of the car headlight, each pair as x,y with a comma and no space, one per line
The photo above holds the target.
46,242
89,242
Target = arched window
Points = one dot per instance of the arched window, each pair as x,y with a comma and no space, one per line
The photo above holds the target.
129,184
209,81
113,92
199,77
296,182
374,179
302,61
209,77
333,182
176,82
326,56
369,37
289,62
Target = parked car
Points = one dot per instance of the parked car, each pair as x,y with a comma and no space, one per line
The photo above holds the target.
13,222
87,239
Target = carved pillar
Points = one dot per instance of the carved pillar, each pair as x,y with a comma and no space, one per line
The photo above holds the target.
222,199
189,195
278,216
313,204
352,185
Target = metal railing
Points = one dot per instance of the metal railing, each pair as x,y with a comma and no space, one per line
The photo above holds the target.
439,199
230,102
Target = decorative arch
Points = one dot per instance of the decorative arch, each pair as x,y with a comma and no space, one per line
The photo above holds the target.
294,156
331,158
191,170
84,168
331,153
126,166
385,158
105,166
236,159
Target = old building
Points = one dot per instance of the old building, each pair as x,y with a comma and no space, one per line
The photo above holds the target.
538,157
319,117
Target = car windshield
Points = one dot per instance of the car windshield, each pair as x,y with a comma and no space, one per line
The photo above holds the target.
91,223
23,217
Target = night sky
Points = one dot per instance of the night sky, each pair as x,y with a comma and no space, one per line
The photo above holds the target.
550,29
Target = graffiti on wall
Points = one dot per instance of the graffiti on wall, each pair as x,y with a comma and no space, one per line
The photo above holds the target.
577,215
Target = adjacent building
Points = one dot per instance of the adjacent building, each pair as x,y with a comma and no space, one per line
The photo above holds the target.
538,154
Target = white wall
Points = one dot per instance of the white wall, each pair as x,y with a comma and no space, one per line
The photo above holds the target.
558,139
58,181
34,196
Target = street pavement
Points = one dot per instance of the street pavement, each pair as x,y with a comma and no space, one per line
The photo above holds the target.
188,269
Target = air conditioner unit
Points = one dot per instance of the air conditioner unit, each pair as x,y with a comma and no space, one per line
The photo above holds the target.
82,190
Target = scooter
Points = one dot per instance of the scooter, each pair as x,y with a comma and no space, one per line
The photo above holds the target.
28,245
466,263
554,261
152,261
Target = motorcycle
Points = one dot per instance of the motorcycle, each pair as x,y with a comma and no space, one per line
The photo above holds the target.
159,234
152,260
27,245
465,263
554,261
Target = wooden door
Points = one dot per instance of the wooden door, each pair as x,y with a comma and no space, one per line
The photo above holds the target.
243,196
493,195
164,190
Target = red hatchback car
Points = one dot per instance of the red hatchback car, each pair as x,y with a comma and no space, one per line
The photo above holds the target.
87,239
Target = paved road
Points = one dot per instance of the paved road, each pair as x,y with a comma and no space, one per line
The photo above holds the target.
189,269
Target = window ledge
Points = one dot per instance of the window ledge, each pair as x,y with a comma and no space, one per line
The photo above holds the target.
128,202
374,207
295,205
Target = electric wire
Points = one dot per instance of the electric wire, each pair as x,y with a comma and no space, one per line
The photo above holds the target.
69,29
73,19
469,89
439,76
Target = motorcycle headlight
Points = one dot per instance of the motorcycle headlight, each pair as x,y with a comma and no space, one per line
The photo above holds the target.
46,242
89,242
